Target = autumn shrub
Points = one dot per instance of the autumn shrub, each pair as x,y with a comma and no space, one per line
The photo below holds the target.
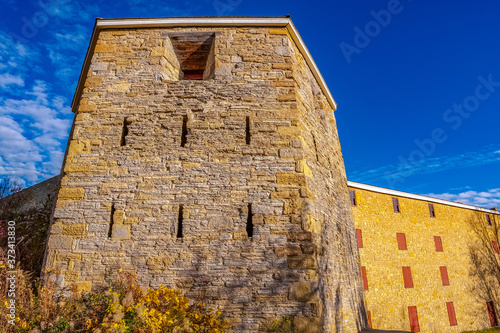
120,306
282,325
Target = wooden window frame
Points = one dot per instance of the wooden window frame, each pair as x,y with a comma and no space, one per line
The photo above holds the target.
432,212
352,197
395,205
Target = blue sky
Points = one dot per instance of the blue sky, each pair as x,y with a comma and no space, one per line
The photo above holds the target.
417,84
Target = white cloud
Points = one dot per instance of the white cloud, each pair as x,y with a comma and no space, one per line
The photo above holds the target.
33,130
486,199
7,79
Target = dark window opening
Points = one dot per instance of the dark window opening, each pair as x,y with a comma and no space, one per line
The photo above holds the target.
195,53
195,74
247,129
249,221
488,219
431,210
179,222
352,195
124,132
184,131
111,221
315,147
395,205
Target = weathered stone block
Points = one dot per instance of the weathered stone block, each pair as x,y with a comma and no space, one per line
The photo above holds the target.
74,229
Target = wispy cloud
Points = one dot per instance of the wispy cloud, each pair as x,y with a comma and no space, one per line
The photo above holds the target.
32,132
485,156
487,199
7,79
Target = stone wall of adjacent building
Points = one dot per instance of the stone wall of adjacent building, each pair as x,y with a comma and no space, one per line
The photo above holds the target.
255,142
460,230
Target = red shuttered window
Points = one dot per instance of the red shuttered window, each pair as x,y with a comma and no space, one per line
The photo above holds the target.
438,243
401,241
359,237
491,314
412,312
365,279
451,313
407,277
444,275
495,246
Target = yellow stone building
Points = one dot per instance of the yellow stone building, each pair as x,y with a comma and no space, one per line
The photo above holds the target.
416,262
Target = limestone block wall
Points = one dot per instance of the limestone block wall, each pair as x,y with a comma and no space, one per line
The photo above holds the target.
387,298
231,189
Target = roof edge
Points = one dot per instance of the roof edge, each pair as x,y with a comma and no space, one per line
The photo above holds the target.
383,190
285,22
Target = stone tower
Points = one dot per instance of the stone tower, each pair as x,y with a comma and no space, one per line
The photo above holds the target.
204,155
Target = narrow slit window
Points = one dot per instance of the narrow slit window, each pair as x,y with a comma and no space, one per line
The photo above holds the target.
179,222
250,221
315,147
352,195
488,219
125,125
395,205
247,129
432,213
184,131
111,221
